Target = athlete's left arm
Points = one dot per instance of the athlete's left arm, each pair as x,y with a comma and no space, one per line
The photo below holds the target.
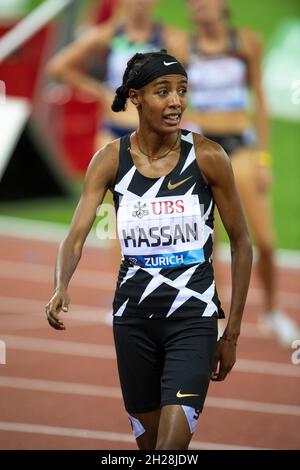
216,169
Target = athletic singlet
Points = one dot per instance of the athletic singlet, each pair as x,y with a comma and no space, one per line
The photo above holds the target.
165,227
218,82
121,50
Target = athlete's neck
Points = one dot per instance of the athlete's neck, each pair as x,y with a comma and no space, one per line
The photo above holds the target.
214,30
153,143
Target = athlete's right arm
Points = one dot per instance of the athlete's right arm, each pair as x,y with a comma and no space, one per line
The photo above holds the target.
67,64
99,177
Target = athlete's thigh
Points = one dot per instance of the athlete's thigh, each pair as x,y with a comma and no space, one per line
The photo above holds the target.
189,351
145,428
256,203
139,364
174,432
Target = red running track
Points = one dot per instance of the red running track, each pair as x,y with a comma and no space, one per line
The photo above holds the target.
60,389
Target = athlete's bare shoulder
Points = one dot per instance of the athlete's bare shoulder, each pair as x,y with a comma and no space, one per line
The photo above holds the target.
211,157
111,147
207,149
104,164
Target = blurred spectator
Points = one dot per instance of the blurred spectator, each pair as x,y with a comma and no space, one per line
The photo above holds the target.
223,66
130,30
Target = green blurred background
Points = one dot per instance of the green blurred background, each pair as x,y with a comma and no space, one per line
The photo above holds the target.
265,16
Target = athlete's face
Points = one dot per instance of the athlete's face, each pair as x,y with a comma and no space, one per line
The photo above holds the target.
207,11
162,102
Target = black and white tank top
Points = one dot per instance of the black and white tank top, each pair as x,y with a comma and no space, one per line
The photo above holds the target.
165,227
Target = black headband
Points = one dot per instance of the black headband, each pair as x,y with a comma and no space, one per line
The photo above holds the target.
156,66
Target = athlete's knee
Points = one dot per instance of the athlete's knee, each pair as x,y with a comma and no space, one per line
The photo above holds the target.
179,439
145,438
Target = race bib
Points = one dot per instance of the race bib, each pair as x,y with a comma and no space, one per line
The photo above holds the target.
162,232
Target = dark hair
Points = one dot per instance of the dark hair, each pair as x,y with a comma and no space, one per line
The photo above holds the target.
132,71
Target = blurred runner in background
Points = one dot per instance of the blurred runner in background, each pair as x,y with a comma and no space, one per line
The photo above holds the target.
224,65
131,29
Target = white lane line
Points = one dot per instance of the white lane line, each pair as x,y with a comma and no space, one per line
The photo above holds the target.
26,314
253,406
60,387
267,367
255,297
105,436
287,259
36,308
102,280
25,343
12,307
114,392
24,271
41,231
66,432
51,232
58,347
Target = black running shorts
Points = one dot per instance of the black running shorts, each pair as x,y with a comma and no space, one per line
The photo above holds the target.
164,361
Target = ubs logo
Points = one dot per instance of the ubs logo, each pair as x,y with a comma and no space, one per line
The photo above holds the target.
167,207
140,210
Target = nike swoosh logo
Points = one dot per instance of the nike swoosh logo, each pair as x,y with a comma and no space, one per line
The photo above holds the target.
169,63
175,185
183,395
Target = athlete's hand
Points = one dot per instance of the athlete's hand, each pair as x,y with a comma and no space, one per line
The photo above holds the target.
263,178
59,302
224,360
